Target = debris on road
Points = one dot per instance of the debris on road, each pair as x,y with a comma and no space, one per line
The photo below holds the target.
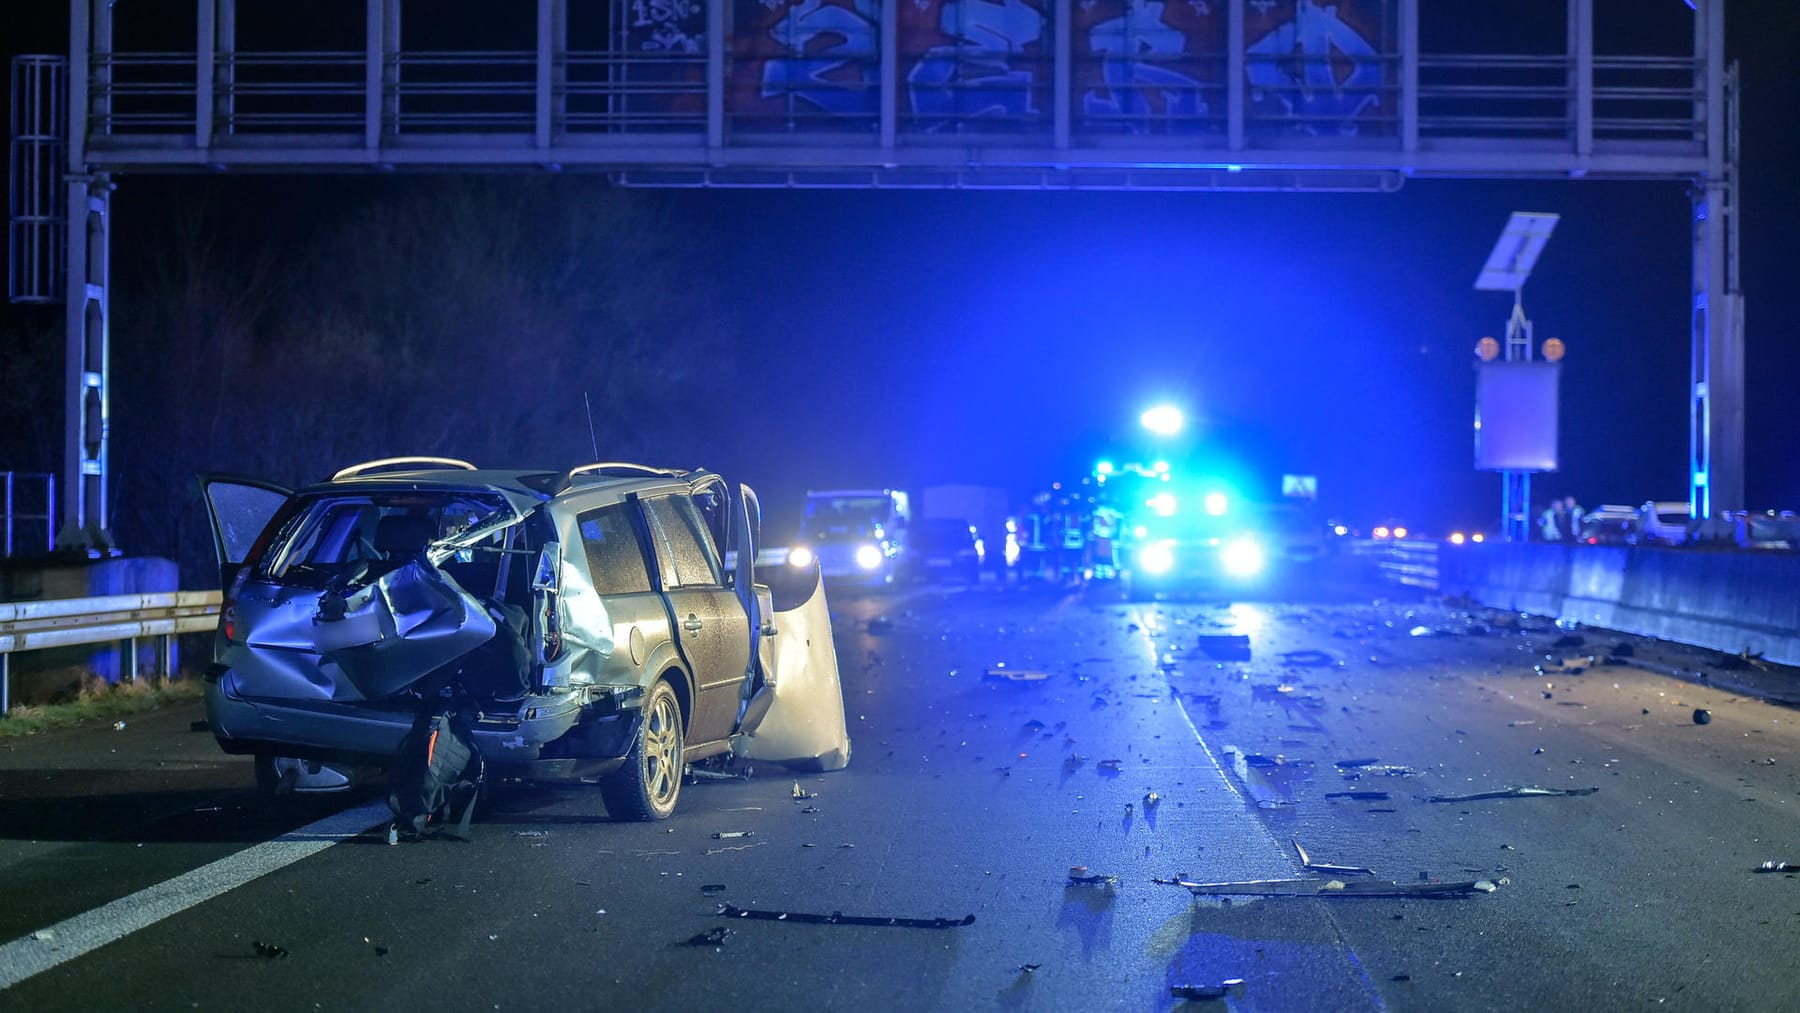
1310,658
1335,888
1742,659
727,835
1151,799
840,918
1219,991
1347,870
697,774
531,833
1359,796
711,889
1226,646
1516,792
802,793
1108,766
1000,673
1788,867
269,951
1702,716
1079,876
1027,968
711,937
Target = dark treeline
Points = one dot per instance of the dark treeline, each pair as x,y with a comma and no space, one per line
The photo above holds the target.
284,329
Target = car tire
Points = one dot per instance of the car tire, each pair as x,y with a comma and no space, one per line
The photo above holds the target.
647,786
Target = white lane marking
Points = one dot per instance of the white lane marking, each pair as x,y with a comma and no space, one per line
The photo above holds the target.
73,937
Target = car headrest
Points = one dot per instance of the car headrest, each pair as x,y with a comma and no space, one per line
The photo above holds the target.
402,534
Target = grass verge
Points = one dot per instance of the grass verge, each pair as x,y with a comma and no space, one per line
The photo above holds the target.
97,700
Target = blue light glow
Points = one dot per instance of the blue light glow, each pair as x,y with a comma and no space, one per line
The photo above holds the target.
1163,420
1243,558
1215,504
1163,504
1157,558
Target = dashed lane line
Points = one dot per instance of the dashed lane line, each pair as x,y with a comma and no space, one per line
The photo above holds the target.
43,949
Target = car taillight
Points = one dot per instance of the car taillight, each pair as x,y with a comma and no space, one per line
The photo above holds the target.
228,617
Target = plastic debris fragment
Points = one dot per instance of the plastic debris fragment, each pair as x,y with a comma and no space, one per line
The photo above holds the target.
711,937
1518,792
711,889
839,918
1778,867
1000,673
269,951
1332,888
1219,991
730,834
1226,646
802,793
1702,716
1359,796
1079,876
1343,870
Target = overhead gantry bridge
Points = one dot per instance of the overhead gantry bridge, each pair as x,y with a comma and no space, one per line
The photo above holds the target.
1016,94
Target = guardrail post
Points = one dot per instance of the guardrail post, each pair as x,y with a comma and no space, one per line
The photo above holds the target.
130,672
5,659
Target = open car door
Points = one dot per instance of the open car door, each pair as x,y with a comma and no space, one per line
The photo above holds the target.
239,509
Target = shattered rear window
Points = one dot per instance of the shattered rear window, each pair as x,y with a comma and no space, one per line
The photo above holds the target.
338,536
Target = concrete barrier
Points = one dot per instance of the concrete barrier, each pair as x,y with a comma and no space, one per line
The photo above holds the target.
1728,601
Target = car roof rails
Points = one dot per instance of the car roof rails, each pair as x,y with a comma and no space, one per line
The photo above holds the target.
391,462
615,469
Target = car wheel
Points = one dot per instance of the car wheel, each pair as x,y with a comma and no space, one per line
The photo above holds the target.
646,787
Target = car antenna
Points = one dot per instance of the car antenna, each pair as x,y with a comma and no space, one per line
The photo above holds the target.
589,405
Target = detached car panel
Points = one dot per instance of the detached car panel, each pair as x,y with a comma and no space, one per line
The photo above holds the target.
549,608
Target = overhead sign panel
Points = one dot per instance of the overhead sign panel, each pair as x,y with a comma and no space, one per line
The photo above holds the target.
1516,251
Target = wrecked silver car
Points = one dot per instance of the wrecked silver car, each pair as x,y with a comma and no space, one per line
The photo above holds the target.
600,624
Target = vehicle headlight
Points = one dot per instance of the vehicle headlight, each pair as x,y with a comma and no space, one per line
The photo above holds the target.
868,557
1243,558
1157,558
800,555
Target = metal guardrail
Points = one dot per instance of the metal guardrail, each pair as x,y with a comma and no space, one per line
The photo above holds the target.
72,622
1412,562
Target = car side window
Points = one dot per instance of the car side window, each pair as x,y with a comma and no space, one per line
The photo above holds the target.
615,558
696,561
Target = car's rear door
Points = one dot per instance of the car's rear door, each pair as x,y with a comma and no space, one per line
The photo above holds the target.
239,509
710,624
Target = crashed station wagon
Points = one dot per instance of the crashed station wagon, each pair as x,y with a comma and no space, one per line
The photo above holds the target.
599,625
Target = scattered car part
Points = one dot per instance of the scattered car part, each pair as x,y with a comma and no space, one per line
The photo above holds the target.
1219,991
1334,888
839,918
1079,876
1344,870
1519,792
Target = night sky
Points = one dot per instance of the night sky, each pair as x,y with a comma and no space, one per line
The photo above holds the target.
906,338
